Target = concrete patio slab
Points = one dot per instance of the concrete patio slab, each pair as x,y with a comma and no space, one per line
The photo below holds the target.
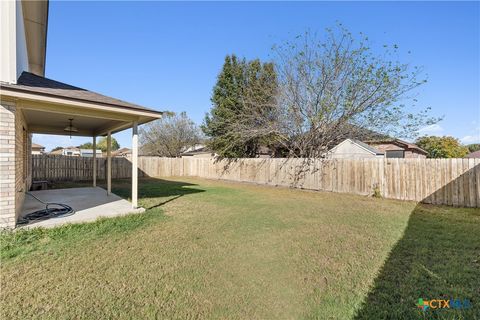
89,205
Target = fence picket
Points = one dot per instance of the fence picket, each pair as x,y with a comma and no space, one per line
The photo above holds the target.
438,181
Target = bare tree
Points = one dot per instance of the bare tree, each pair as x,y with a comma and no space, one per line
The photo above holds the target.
169,136
330,90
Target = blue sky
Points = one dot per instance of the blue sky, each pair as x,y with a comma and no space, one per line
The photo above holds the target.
166,56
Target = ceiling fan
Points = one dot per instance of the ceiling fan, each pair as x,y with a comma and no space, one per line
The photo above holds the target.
70,128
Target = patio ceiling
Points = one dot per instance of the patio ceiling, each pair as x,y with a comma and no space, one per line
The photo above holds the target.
41,121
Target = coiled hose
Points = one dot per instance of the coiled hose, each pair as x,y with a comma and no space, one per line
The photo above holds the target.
47,213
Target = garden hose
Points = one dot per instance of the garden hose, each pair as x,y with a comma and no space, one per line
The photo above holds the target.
47,213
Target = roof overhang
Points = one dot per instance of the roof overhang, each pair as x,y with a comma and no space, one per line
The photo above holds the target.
50,114
35,17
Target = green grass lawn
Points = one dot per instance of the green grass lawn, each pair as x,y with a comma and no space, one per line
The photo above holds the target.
209,249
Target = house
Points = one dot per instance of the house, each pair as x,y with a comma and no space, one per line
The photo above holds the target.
123,152
77,152
31,103
396,148
198,151
475,154
202,151
89,153
354,149
37,149
67,151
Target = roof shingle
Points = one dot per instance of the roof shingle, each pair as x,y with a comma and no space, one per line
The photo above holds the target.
31,83
475,154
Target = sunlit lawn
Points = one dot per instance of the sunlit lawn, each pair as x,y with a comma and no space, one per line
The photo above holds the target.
210,249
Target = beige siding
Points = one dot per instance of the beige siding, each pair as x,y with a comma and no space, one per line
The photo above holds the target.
350,150
8,59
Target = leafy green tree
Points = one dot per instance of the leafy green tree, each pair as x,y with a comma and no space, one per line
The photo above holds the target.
241,87
57,148
86,145
102,144
442,147
473,147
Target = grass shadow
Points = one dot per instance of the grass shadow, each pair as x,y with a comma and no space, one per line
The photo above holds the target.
437,258
152,192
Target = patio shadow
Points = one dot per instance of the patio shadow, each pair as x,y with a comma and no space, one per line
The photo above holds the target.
155,192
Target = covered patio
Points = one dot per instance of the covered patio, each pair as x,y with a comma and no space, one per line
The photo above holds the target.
89,203
47,106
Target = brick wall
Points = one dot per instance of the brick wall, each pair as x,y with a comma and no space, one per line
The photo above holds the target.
7,165
15,163
23,149
409,153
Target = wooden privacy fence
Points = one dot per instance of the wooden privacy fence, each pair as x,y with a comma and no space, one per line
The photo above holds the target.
437,181
66,168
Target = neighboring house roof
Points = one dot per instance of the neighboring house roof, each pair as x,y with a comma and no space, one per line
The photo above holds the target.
37,146
122,151
356,132
60,151
203,150
197,147
404,144
361,144
475,154
31,83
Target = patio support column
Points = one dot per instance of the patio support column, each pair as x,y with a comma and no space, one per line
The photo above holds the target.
109,163
94,146
135,165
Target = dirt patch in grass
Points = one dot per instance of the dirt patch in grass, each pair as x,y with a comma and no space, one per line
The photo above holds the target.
210,249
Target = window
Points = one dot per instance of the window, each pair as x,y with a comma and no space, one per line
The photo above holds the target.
395,154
